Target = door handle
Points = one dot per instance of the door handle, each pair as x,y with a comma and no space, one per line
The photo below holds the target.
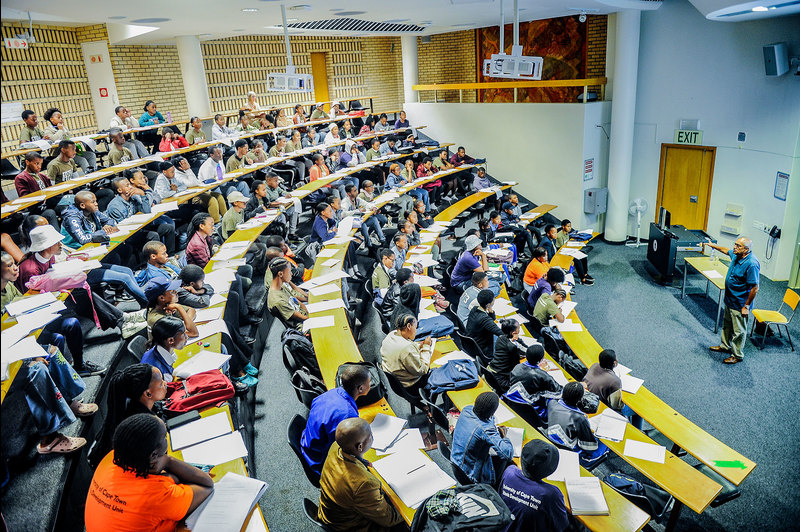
692,199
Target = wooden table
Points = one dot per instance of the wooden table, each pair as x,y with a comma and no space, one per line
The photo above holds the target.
707,267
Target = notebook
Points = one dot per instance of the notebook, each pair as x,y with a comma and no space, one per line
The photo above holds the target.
586,496
227,508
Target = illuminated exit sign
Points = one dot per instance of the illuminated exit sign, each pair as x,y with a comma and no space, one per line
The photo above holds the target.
688,136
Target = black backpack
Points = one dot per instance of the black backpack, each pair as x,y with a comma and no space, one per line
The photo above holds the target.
553,342
480,510
377,390
651,499
574,366
302,350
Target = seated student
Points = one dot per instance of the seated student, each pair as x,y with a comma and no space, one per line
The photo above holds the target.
389,146
63,167
355,204
158,490
311,138
392,295
369,123
283,120
475,435
118,152
403,356
126,203
567,425
255,112
31,131
219,130
162,301
172,141
534,504
471,260
299,271
284,299
330,409
195,135
412,219
545,285
319,112
508,351
480,181
57,131
536,268
332,137
374,151
434,188
212,170
31,180
460,157
546,307
299,116
384,273
241,158
324,227
319,170
350,496
245,124
536,382
292,212
453,183
201,248
408,303
137,389
123,121
481,327
402,121
235,215
468,300
394,181
399,248
511,222
602,381
581,265
45,246
383,124
193,291
213,201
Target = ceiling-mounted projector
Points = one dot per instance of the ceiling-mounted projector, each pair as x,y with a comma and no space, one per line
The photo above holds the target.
289,81
514,66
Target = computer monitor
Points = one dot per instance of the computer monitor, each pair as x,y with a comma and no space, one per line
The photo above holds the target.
664,218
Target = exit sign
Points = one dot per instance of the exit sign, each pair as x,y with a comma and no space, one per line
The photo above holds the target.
16,44
688,136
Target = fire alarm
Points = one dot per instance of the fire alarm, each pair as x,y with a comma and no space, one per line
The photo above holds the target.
103,92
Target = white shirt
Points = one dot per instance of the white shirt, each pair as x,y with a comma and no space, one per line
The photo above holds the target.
208,170
129,123
187,178
171,358
221,132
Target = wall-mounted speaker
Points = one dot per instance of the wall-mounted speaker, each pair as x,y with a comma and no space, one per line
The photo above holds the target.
776,59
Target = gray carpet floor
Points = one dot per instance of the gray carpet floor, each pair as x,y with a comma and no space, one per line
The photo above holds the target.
751,406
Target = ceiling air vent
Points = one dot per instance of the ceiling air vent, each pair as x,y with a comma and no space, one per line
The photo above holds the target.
355,25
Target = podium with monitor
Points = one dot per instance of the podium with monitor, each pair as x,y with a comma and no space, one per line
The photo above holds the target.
666,241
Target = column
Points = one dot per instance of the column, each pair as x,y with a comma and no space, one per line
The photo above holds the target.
408,44
195,86
623,112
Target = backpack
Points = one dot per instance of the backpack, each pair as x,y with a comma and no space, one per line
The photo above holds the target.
472,508
208,388
454,375
651,499
377,390
575,367
553,341
302,350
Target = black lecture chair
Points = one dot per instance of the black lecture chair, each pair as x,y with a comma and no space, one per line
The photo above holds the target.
436,415
136,347
277,315
461,477
296,427
398,388
469,345
307,387
452,315
310,509
384,326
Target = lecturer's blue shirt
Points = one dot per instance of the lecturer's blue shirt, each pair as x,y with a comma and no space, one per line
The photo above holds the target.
743,275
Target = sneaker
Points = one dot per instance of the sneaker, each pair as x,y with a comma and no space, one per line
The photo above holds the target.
89,369
588,281
251,370
138,316
252,319
248,340
240,388
130,328
247,380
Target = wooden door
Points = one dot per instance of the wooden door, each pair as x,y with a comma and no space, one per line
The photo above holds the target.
320,72
684,184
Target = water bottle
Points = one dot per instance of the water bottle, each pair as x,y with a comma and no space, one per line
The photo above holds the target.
169,117
713,255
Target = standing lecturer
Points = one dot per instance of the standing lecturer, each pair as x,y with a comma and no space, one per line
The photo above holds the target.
741,286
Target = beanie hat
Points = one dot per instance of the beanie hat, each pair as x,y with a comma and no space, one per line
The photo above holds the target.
539,459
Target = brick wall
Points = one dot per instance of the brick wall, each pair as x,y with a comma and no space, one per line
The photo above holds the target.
383,69
448,58
596,47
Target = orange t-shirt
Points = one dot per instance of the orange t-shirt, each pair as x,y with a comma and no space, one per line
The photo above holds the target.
119,501
535,271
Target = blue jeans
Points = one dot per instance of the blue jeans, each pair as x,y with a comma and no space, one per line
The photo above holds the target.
341,184
434,327
373,223
633,417
230,186
49,390
494,286
117,275
421,194
62,333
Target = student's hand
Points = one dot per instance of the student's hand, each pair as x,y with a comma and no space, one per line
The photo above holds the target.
427,341
46,137
42,360
173,187
173,307
502,430
191,289
155,120
110,229
60,126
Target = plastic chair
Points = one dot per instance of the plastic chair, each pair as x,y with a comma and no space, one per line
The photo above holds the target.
398,388
776,317
470,346
277,315
136,347
384,326
294,432
310,509
461,477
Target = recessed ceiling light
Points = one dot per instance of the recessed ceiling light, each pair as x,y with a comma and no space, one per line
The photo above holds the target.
337,9
300,7
204,35
396,20
150,20
238,30
117,17
462,25
250,10
349,13
759,8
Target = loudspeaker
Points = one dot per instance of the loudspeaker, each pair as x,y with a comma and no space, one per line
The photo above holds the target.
776,59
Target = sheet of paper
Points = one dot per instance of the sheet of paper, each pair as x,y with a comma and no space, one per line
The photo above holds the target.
630,383
516,434
325,289
644,451
325,305
203,361
422,248
216,299
452,355
528,341
331,263
33,321
567,326
319,322
227,508
425,261
345,226
76,265
424,280
503,414
300,193
385,430
228,253
426,237
559,377
8,208
567,307
26,304
220,280
574,244
212,327
327,252
425,314
167,206
610,427
338,240
408,440
25,348
621,370
518,317
198,431
413,476
324,279
569,279
93,251
217,451
29,199
712,274
586,496
137,219
208,314
568,466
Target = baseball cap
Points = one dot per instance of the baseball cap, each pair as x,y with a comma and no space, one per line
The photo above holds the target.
158,286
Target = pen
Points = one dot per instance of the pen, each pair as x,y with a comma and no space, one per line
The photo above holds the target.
415,469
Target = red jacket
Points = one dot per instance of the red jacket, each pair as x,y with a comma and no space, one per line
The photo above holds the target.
198,250
176,143
25,183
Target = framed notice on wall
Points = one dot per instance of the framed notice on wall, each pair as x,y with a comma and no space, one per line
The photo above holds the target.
781,185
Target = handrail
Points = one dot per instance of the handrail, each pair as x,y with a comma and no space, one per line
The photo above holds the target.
460,87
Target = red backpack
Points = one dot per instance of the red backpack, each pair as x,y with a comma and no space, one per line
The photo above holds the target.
208,388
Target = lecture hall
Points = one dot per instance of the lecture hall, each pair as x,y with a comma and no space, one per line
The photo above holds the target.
436,265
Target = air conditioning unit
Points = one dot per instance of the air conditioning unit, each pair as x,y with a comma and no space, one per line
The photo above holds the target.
514,66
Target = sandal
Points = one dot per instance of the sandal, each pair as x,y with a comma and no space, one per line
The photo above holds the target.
84,409
62,445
